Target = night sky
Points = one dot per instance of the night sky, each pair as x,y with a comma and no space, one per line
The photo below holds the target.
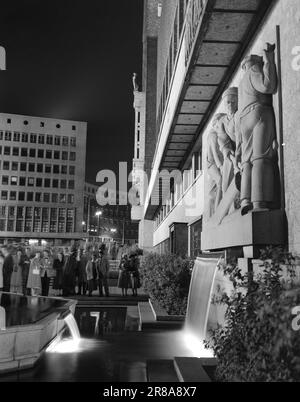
74,59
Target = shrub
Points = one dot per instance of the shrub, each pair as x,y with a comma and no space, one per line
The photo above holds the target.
258,342
167,279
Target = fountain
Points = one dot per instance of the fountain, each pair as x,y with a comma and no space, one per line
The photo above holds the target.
202,315
28,325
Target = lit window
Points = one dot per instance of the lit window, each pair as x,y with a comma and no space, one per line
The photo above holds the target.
30,181
14,181
62,198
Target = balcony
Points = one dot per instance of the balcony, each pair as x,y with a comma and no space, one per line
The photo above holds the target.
214,38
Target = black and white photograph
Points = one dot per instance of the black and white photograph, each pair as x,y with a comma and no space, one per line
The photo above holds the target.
149,195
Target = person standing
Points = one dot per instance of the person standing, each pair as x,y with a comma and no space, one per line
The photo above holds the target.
58,265
1,271
90,269
8,265
82,278
16,283
69,276
46,272
34,278
134,273
25,271
103,272
124,276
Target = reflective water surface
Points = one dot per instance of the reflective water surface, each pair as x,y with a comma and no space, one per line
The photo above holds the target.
22,310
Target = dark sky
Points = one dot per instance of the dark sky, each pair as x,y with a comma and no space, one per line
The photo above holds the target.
74,59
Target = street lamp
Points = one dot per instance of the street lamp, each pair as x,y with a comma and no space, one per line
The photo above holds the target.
98,214
113,230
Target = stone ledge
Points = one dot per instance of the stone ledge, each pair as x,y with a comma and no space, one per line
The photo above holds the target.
254,229
161,314
191,369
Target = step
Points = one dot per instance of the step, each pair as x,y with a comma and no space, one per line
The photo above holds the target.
161,371
133,372
190,369
146,314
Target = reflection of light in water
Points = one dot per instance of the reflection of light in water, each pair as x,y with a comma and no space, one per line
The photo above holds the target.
196,345
97,316
67,345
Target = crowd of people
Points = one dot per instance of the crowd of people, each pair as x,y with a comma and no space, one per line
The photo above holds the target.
67,272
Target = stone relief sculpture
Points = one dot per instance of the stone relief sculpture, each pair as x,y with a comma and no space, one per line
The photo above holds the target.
215,162
258,146
242,144
134,81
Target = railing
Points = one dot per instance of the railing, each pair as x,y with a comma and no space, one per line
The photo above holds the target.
193,17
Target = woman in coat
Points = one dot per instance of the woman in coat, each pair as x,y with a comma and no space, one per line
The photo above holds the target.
16,281
58,265
124,276
34,278
134,273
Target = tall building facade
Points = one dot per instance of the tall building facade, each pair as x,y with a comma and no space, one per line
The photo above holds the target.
42,179
200,47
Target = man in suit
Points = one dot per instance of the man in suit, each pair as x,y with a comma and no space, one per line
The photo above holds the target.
8,266
103,272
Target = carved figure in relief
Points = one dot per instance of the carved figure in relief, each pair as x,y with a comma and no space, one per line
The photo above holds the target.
134,81
257,150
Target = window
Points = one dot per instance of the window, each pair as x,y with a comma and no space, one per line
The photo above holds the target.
57,140
21,196
15,151
7,136
74,128
40,153
22,181
32,153
39,182
47,168
0,150
39,168
46,197
1,135
30,181
62,198
58,125
13,196
65,141
70,199
38,197
24,152
17,137
49,140
47,183
33,138
72,156
28,219
64,156
41,139
54,198
25,122
8,121
56,169
48,154
45,220
31,167
63,184
64,169
71,184
4,195
14,181
73,141
55,183
72,170
5,165
5,180
23,166
6,150
14,166
56,154
42,124
37,220
24,137
30,196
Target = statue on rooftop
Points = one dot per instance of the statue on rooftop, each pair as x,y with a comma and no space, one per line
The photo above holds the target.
135,84
257,150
